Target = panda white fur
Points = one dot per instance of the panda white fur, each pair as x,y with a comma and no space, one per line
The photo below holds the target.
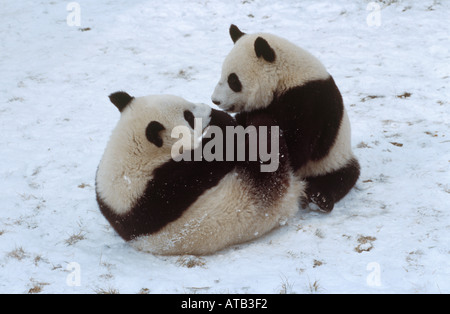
173,208
264,73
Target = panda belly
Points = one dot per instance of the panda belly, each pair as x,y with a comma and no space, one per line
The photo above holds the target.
230,213
338,156
332,177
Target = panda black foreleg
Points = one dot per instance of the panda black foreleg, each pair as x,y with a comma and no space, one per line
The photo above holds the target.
328,189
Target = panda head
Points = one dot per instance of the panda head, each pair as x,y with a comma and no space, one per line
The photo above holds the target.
146,124
260,66
141,142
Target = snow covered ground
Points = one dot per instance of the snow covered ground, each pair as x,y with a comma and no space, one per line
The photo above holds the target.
391,234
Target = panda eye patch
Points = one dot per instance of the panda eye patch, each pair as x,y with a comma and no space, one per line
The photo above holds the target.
234,83
152,133
189,117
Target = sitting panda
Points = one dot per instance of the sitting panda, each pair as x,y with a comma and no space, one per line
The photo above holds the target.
267,74
166,207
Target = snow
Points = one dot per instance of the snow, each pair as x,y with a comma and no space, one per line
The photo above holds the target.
391,234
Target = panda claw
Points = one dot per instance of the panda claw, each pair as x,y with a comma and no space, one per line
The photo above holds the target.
324,203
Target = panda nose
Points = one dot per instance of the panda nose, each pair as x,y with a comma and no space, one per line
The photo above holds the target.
216,102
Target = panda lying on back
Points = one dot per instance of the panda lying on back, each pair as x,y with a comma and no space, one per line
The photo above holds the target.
265,74
187,207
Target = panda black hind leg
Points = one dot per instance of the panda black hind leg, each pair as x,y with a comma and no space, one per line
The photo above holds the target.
326,190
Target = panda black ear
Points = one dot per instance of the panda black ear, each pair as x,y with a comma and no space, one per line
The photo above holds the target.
235,33
262,48
120,100
152,133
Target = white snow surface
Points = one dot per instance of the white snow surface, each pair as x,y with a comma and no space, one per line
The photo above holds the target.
391,234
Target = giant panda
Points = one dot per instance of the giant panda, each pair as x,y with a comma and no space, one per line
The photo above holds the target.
168,207
267,74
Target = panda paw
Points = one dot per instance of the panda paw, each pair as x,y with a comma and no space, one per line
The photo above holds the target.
323,201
